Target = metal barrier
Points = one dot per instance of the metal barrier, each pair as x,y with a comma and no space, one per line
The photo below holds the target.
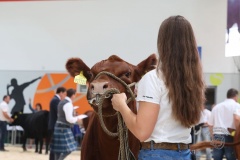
14,134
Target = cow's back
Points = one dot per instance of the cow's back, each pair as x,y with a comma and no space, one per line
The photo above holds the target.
37,124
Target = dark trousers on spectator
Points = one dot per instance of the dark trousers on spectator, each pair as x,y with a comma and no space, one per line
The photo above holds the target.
220,151
52,154
3,132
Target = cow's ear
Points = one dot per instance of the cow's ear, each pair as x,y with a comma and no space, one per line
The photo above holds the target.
75,66
148,64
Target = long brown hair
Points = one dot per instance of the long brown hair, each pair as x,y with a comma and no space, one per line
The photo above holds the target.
179,62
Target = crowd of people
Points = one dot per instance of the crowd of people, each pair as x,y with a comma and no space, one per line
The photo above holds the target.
219,124
61,122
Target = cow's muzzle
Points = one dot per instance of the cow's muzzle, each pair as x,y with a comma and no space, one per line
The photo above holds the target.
99,96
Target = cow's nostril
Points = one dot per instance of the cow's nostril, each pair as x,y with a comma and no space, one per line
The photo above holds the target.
92,87
105,86
98,87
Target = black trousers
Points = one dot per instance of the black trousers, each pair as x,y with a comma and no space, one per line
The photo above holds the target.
51,155
3,133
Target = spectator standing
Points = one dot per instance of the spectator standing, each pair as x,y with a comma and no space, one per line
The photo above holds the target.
170,97
225,115
204,133
38,107
4,118
53,110
63,142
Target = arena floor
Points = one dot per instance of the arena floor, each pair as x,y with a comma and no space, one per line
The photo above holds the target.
16,153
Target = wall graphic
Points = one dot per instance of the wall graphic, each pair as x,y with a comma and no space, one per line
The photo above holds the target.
40,87
17,94
48,85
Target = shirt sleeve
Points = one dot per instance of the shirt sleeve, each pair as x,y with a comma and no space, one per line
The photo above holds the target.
149,89
209,113
211,119
68,109
237,110
4,108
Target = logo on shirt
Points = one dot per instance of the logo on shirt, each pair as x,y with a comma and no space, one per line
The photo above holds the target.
148,97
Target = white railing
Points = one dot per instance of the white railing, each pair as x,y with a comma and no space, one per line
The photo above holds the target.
14,134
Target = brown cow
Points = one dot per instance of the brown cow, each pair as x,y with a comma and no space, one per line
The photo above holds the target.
97,145
85,121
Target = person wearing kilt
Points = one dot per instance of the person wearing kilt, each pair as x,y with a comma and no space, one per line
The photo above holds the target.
63,142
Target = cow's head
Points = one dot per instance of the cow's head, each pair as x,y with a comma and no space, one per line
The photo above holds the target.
15,116
98,84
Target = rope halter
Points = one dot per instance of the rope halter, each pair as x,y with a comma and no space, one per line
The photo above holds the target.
124,151
108,93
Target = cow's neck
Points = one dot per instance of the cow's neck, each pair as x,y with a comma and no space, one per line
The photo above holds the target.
109,121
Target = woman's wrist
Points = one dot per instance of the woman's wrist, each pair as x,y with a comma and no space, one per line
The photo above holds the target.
123,107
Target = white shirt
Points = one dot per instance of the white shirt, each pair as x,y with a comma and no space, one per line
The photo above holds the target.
205,116
151,88
3,108
68,109
58,96
222,116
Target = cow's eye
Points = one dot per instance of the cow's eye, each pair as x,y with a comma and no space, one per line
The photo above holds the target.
128,74
90,75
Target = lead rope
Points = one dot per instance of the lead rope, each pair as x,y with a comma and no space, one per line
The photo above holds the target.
124,151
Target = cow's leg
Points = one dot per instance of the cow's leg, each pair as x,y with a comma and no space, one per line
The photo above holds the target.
24,142
47,144
41,144
36,145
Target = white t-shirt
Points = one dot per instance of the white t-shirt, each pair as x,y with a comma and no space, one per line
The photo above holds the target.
222,116
151,88
3,108
205,116
68,109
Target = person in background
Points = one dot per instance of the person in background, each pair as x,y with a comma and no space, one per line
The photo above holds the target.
53,110
225,115
63,142
170,97
38,107
76,129
4,118
204,133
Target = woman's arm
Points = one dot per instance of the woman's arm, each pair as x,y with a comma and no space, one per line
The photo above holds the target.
140,124
236,119
30,106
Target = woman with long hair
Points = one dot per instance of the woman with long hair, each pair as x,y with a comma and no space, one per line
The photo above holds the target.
170,97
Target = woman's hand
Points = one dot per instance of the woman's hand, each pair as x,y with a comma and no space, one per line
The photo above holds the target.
119,101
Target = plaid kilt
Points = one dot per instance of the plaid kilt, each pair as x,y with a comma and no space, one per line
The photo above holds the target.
63,140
